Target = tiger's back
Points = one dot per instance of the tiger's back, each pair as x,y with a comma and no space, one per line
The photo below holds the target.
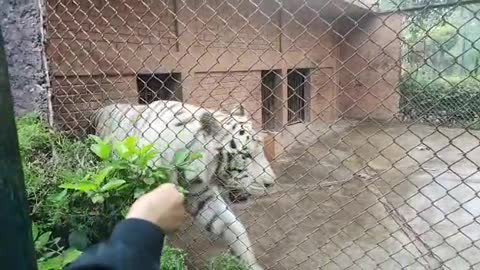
170,125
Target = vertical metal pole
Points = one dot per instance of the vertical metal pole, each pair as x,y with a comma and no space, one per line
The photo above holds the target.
16,244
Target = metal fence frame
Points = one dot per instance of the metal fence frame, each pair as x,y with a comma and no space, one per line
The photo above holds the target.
64,66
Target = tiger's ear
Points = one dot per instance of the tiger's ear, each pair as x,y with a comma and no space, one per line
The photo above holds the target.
239,113
238,110
209,124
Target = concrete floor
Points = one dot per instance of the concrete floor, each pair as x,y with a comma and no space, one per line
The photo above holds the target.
365,196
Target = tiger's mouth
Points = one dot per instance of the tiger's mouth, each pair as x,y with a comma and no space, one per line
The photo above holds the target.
238,196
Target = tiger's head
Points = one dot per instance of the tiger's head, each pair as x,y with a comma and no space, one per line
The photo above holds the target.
242,169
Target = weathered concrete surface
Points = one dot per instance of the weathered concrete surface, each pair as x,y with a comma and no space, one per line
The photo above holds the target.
365,196
21,25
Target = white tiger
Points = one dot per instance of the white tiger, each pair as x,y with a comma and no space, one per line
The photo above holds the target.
233,159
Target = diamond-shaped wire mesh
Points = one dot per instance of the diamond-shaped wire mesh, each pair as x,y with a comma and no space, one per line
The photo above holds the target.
370,111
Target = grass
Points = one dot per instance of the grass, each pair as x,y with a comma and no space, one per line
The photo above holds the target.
173,259
33,136
226,262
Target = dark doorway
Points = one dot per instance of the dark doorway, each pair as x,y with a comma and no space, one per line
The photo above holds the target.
159,86
298,95
271,99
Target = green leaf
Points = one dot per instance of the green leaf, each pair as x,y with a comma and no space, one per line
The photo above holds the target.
146,149
95,138
127,148
98,198
102,149
60,196
70,255
49,254
56,240
59,262
100,177
42,240
146,154
34,231
120,164
161,175
138,192
196,156
181,157
55,263
112,184
131,143
149,181
122,150
80,186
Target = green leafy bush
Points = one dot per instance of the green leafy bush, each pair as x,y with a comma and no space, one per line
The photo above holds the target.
123,173
50,158
51,256
451,101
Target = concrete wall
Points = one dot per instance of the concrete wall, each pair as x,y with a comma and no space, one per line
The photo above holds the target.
96,51
371,67
22,30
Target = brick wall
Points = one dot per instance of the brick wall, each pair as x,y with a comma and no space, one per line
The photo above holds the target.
224,90
74,98
103,37
97,47
228,25
220,47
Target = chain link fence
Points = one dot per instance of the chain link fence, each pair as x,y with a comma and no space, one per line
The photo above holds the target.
369,110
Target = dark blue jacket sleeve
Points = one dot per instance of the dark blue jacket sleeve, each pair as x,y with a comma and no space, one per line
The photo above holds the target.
134,244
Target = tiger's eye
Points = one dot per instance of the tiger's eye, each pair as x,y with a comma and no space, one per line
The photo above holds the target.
242,132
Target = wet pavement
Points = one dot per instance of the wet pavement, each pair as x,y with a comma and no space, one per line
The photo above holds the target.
365,196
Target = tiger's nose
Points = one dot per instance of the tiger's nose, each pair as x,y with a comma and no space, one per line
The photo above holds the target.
268,185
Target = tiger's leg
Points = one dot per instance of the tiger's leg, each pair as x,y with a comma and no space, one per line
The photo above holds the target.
214,215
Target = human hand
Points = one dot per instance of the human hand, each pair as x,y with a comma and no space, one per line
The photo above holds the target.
162,206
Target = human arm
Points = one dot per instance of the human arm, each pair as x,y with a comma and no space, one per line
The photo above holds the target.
134,244
137,241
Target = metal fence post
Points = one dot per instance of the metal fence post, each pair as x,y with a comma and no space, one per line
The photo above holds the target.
16,244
